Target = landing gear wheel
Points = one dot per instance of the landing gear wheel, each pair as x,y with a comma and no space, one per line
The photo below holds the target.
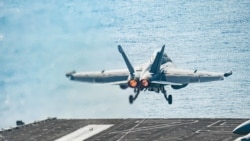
170,100
131,99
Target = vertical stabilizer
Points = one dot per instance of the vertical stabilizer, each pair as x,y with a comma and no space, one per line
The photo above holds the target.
129,66
155,67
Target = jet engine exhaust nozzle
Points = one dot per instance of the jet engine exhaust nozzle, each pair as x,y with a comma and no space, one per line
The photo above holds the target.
132,83
145,83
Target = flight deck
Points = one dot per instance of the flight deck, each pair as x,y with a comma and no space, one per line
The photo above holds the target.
171,129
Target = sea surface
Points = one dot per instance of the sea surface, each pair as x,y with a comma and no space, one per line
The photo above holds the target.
42,40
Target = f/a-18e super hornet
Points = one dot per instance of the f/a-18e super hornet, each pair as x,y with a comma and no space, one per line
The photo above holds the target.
153,76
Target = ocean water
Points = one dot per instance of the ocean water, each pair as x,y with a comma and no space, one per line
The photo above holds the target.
42,40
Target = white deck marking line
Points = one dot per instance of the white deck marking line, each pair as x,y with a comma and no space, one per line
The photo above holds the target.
85,132
154,127
210,125
131,129
201,131
218,132
223,132
223,123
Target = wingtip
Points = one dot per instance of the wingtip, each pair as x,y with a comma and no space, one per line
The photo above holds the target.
70,74
228,74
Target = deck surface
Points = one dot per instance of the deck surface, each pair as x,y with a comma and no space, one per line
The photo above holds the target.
129,129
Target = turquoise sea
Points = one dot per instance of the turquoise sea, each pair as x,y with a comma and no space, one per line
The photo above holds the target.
42,40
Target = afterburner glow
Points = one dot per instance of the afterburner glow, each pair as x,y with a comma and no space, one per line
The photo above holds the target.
132,83
144,83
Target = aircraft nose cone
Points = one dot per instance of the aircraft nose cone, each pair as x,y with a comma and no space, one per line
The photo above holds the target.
243,128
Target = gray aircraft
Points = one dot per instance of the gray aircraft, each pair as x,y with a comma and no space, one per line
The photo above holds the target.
243,129
152,76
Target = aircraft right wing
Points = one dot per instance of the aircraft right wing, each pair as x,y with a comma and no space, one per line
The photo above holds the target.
174,75
111,76
179,78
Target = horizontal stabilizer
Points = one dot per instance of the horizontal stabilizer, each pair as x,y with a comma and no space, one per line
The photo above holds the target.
119,83
165,83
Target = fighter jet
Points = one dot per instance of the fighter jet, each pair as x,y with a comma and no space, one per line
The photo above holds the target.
152,76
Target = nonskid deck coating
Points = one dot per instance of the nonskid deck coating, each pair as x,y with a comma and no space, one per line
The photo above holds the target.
172,129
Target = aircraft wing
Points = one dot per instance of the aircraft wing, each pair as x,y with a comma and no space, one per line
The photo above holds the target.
111,76
180,76
171,76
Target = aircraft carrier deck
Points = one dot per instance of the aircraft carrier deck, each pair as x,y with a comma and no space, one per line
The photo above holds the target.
188,129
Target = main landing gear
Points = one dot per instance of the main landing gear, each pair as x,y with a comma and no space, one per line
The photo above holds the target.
162,89
169,97
133,98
